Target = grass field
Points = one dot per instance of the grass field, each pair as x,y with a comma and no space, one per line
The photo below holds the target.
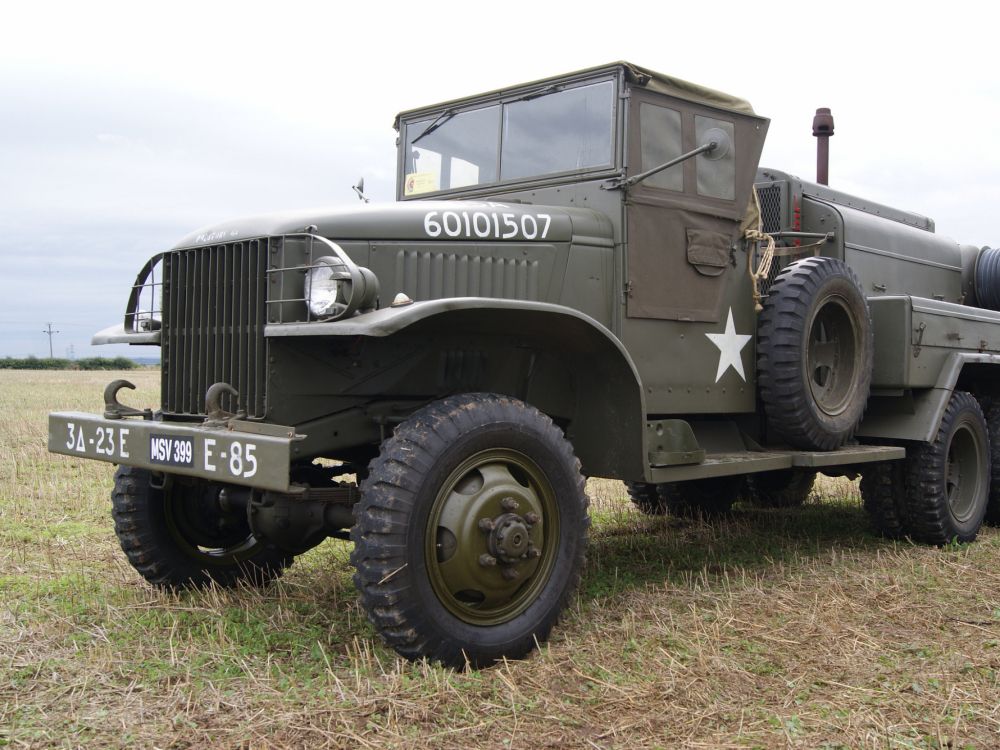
771,629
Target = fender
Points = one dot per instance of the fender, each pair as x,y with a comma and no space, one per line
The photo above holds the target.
607,428
923,392
919,417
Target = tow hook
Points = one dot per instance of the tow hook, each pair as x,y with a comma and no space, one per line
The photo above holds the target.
115,410
216,416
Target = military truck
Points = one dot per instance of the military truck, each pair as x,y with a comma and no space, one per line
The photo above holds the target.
583,276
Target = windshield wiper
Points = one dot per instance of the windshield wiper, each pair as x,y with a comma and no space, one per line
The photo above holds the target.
554,88
440,120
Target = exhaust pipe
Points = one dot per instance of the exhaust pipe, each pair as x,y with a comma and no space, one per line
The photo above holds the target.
823,129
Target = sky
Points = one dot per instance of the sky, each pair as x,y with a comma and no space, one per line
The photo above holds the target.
126,125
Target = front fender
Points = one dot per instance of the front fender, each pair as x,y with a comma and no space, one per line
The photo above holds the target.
607,425
390,320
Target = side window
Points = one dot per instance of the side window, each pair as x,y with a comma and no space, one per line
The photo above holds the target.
716,174
659,142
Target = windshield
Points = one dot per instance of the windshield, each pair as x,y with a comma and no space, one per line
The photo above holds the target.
564,131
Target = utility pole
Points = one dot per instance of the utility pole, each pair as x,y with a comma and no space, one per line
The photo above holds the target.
48,330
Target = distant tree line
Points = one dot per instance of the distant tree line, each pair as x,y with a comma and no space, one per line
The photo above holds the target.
47,363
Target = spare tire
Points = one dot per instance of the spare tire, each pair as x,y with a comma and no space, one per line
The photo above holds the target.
814,354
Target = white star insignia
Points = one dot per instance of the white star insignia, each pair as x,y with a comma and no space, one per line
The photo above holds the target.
730,345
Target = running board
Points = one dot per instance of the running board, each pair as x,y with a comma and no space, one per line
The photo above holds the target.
752,462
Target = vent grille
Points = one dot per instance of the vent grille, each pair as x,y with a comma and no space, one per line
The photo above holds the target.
213,326
770,207
770,213
425,275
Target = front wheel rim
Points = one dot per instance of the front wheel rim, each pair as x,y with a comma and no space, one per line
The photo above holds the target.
491,538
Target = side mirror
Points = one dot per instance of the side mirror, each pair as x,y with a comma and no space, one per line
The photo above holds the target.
722,146
360,190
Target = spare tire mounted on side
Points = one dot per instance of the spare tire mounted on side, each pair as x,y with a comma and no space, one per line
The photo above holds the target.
814,354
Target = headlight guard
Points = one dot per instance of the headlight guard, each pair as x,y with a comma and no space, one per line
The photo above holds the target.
336,287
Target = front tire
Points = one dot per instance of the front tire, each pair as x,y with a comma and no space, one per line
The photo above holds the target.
178,536
471,531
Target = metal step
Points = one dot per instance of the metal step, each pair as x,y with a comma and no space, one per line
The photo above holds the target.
751,462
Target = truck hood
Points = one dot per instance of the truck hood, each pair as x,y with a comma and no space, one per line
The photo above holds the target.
481,221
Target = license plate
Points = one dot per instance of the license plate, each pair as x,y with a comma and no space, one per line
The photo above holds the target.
257,459
170,450
104,441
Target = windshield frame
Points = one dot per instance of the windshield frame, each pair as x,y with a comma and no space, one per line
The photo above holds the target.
421,118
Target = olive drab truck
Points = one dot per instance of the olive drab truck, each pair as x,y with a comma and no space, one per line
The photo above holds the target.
584,276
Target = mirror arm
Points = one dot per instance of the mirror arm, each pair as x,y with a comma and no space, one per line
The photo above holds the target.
625,182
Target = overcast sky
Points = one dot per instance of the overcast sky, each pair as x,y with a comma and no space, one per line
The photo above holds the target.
123,126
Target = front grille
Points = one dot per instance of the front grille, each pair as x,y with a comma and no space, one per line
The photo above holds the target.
213,326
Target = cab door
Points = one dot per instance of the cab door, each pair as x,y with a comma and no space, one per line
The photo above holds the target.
686,268
682,222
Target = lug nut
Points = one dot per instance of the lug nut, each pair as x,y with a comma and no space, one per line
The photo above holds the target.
533,552
509,503
531,518
486,525
510,573
487,561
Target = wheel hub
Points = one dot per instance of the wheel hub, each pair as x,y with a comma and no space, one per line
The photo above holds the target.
510,539
489,542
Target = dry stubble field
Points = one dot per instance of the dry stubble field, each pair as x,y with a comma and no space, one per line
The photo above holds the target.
770,629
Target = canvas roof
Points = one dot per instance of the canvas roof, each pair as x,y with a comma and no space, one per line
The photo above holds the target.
636,74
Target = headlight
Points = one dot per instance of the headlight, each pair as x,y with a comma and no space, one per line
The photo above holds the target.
336,288
328,287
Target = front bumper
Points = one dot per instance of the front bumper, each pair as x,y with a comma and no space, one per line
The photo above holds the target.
246,453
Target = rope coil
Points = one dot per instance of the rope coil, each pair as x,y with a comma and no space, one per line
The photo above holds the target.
756,236
769,253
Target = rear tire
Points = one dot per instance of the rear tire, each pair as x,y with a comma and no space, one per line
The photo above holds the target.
646,498
991,410
789,488
882,497
947,481
707,498
815,353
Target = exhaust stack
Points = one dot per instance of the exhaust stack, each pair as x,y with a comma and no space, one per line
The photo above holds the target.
823,129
